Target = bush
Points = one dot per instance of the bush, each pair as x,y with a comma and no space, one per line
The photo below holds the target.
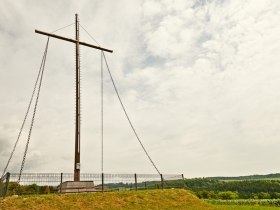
14,188
228,195
206,194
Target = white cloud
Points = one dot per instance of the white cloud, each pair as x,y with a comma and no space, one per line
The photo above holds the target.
200,80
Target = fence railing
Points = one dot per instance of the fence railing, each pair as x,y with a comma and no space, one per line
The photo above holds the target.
39,183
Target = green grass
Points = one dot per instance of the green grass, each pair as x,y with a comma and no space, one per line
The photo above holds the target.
260,179
247,202
136,200
231,207
150,199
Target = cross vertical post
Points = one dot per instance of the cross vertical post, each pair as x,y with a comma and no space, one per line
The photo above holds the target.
77,42
78,105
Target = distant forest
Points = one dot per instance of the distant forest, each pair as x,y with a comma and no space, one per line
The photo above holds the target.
250,177
242,187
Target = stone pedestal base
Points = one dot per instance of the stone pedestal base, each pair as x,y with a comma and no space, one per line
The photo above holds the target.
76,187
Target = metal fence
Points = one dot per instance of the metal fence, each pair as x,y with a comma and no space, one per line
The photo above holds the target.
39,183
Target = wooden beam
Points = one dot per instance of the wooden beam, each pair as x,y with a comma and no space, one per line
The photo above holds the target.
72,40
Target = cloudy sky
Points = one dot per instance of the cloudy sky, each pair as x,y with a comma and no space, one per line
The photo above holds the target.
200,80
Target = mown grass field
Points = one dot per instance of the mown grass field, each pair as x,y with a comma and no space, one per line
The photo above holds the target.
246,208
152,199
247,202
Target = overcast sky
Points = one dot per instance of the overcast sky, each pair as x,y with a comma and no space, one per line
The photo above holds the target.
200,80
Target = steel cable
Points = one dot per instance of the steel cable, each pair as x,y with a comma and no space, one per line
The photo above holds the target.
130,123
34,111
24,120
63,27
90,36
102,116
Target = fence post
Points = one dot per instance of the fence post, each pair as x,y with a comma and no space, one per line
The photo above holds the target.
61,180
102,180
135,177
5,192
183,179
145,185
2,185
161,179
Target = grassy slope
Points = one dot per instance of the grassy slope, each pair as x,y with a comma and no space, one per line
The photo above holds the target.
153,199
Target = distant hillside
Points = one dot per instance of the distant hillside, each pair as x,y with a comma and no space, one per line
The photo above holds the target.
250,177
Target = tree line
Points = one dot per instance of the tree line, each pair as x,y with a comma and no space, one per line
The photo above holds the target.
246,189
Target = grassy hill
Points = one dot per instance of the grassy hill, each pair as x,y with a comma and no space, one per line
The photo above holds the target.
149,199
152,199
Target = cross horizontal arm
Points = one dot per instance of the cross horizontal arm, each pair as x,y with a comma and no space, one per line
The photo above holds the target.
72,40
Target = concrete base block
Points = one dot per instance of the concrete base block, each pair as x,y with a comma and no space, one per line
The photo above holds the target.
76,187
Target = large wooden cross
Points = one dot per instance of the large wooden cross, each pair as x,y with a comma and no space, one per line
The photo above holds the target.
78,105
